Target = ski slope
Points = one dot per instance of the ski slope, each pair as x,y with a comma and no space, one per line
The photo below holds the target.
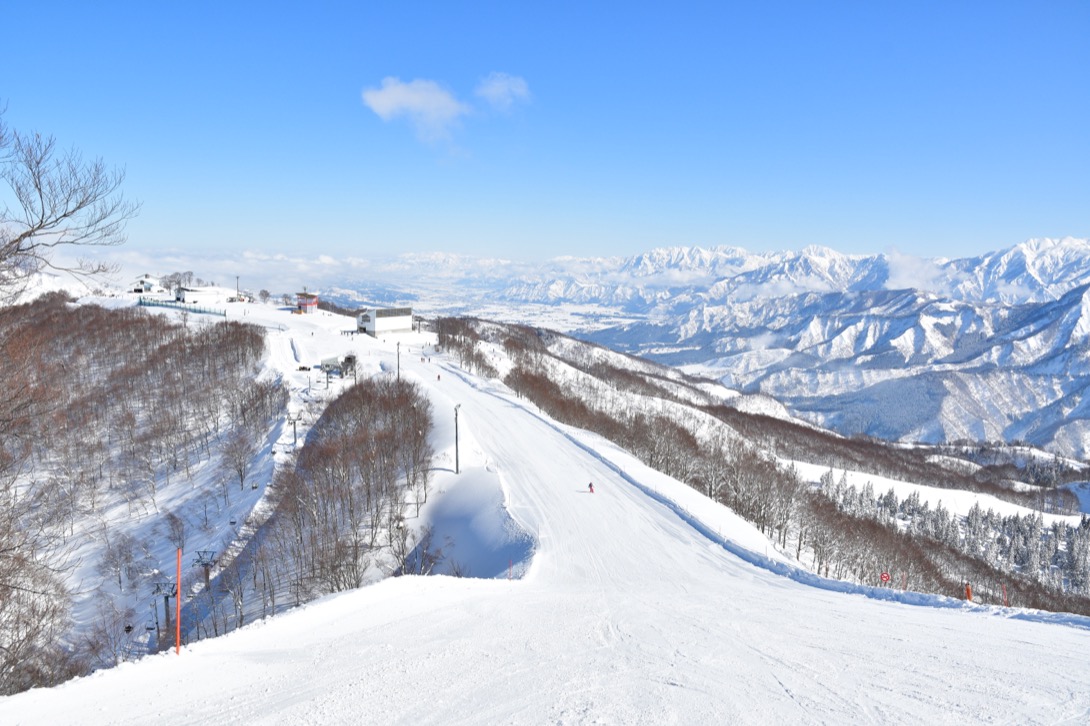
642,603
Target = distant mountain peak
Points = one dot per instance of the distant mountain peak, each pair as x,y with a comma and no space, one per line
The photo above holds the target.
980,346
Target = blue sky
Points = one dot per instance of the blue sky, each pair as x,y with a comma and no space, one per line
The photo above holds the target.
365,129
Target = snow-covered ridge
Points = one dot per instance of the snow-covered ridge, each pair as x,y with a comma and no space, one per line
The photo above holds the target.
987,347
990,347
1034,271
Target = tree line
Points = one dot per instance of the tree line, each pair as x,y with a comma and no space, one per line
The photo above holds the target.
100,409
341,508
1056,558
731,457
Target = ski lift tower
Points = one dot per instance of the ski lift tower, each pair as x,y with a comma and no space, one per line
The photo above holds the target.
167,590
207,560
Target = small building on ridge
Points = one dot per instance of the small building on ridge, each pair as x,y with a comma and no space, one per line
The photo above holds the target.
185,294
379,321
306,302
147,283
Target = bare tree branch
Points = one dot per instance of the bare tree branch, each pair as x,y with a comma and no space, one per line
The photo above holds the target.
58,200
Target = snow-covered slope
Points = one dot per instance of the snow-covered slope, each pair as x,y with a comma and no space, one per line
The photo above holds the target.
642,603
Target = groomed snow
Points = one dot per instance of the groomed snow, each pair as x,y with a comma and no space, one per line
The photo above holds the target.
642,603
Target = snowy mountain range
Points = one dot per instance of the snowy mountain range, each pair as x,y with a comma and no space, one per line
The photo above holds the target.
889,345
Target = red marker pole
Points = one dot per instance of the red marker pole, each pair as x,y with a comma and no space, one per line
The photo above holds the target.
178,609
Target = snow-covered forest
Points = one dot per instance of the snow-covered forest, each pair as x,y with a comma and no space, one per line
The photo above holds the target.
103,412
750,462
128,435
340,510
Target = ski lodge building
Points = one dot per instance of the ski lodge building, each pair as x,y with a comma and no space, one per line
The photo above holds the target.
379,321
147,283
306,302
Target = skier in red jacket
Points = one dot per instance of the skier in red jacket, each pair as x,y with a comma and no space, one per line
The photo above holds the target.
591,487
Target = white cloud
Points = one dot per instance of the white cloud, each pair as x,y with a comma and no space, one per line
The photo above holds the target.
502,90
910,272
430,108
279,272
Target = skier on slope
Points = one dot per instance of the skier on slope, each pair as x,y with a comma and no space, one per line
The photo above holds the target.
591,487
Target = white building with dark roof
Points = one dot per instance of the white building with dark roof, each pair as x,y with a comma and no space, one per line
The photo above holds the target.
147,283
379,321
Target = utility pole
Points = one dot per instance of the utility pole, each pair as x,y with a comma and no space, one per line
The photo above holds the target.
399,360
457,469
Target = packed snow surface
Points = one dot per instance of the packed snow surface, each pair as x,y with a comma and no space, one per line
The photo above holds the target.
642,603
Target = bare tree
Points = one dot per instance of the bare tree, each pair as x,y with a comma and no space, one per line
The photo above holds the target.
176,530
118,557
415,554
60,201
107,641
34,604
239,450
